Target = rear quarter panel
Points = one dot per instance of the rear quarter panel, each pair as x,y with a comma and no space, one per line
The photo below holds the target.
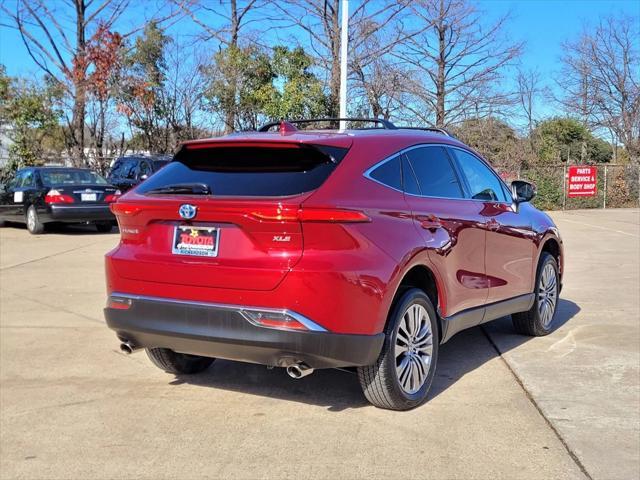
368,260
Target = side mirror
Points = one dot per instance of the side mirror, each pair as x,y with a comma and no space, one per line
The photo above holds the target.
522,191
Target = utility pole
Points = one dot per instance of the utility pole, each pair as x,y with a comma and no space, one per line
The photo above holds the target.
344,48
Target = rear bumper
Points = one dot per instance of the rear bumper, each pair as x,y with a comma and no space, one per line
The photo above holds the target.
222,331
78,213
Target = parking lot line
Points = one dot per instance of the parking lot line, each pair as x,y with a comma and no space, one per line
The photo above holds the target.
600,227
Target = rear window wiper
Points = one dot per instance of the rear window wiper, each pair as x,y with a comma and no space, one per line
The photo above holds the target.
182,188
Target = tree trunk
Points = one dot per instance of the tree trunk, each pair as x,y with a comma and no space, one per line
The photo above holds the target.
440,79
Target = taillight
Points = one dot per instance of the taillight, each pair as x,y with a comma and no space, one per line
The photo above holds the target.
124,209
54,196
113,196
330,215
130,225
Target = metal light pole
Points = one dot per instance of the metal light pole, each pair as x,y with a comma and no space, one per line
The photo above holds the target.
344,40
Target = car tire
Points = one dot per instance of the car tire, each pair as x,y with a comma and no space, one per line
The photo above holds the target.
401,377
104,227
538,320
178,363
34,226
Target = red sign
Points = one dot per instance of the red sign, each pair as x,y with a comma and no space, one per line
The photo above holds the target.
582,181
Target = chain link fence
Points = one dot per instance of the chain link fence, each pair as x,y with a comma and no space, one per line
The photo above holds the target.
618,186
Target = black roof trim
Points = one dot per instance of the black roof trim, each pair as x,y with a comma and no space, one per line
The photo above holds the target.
386,124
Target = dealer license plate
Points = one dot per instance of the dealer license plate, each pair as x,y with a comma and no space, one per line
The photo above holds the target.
195,241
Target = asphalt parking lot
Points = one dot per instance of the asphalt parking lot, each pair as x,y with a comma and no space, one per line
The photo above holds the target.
502,406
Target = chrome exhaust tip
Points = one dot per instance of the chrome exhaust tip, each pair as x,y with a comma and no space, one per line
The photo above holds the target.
128,348
299,370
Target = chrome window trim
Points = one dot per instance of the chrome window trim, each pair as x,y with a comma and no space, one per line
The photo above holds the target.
367,173
241,309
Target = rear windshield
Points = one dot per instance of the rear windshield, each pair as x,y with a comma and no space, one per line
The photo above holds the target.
71,177
249,171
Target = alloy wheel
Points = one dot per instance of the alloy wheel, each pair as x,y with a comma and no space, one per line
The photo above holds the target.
31,219
547,294
414,348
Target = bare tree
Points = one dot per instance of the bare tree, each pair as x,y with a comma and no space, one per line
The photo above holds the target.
224,24
320,20
378,78
528,82
184,90
601,81
56,36
378,85
456,62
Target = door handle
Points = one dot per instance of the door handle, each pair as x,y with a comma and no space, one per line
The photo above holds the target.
493,224
431,223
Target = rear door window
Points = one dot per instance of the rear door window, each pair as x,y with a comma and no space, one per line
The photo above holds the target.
129,169
145,169
27,179
116,170
249,170
435,173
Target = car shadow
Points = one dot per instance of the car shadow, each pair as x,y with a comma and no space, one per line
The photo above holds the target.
66,229
76,229
338,390
472,348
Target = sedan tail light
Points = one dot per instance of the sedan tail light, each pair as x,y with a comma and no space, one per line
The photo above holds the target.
113,196
54,196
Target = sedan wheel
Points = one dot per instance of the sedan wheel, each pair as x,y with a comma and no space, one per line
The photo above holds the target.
34,226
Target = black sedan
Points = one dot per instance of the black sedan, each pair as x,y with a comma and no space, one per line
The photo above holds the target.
41,195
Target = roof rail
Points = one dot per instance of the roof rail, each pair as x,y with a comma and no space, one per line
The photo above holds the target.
386,124
429,129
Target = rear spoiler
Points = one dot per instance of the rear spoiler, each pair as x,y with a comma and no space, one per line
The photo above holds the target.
206,150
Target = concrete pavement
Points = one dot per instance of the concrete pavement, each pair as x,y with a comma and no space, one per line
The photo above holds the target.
72,406
585,376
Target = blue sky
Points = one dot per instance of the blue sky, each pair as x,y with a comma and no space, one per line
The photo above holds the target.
542,24
545,24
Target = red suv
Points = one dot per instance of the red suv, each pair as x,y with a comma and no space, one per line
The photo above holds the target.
328,248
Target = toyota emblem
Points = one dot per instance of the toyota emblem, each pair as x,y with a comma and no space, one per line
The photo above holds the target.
187,211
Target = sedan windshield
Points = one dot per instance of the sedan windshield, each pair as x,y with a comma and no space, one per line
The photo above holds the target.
71,177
